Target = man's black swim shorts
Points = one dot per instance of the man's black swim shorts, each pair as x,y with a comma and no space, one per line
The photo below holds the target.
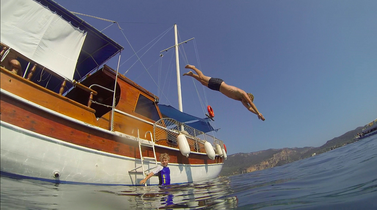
215,83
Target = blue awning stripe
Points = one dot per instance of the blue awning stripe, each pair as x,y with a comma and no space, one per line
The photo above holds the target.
201,124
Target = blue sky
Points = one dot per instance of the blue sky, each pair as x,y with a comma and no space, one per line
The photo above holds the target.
310,64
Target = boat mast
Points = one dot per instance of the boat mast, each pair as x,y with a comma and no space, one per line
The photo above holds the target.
180,106
176,45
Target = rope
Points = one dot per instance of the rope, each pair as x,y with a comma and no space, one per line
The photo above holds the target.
107,27
42,74
161,36
159,91
192,79
203,88
139,57
76,13
135,53
169,67
121,30
200,66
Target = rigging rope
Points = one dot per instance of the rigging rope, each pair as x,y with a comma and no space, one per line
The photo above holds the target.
166,75
192,79
121,30
200,66
77,13
161,36
203,88
139,57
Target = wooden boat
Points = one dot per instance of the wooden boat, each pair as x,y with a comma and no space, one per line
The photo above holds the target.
68,118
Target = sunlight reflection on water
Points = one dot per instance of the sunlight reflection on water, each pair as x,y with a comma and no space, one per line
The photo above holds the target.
34,194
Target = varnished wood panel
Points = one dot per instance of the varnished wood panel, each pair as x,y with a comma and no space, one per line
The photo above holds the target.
37,120
33,119
48,99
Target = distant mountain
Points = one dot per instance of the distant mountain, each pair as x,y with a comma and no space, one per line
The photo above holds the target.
248,162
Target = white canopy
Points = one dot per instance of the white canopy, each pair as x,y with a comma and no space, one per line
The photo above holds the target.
41,35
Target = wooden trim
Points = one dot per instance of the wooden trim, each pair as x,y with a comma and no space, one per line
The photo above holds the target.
111,72
47,123
7,79
36,120
87,89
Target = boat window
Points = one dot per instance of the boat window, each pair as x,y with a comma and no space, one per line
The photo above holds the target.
147,108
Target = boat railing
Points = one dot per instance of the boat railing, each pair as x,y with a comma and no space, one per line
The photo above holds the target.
96,102
168,129
11,60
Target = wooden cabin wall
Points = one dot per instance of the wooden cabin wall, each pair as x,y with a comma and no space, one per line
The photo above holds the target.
30,91
128,99
30,118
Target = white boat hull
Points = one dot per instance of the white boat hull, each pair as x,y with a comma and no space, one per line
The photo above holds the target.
33,155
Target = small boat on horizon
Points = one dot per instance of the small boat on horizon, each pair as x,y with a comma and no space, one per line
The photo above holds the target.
368,130
67,117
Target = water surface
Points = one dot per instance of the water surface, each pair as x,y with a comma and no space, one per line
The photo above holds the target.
344,178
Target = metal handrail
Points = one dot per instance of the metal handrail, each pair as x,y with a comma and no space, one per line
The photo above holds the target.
167,128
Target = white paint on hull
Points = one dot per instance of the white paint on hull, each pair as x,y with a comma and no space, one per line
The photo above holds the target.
30,154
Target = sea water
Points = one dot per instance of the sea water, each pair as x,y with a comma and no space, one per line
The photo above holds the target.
344,178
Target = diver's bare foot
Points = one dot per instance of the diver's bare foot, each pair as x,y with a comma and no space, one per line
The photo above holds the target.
188,66
260,116
188,73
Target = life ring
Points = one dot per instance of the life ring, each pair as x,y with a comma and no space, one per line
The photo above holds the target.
210,111
225,148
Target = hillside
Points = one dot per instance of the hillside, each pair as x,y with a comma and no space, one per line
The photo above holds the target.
248,162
